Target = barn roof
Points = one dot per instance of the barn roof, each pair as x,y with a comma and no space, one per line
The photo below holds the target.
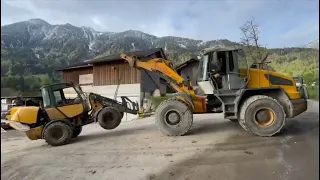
115,57
75,66
179,66
143,53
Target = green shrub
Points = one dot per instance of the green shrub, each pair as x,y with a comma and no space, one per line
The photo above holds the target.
157,100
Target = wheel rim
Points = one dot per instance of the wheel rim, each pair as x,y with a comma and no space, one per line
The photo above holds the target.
265,117
57,133
172,118
109,118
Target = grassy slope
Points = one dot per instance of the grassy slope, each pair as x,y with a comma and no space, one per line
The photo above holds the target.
314,93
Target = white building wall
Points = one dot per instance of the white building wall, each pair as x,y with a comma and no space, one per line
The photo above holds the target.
132,91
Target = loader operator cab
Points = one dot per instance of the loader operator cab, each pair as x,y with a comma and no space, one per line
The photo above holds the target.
219,68
55,95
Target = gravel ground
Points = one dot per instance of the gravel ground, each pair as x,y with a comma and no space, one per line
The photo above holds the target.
214,149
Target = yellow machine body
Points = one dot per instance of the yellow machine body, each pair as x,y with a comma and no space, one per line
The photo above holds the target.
60,113
258,78
24,114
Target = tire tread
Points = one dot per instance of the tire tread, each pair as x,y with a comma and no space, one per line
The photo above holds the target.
159,126
68,127
118,114
247,103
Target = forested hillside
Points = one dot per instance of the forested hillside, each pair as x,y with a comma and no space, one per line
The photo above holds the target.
295,62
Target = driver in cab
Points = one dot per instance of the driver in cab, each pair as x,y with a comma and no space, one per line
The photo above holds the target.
216,67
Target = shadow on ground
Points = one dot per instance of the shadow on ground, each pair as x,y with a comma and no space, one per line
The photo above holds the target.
245,156
209,126
114,133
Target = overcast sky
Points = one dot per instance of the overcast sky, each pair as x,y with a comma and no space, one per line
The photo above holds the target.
282,22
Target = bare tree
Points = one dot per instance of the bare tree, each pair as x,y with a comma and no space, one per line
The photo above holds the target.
250,39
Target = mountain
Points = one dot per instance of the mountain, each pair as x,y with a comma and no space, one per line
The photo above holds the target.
70,44
31,50
313,44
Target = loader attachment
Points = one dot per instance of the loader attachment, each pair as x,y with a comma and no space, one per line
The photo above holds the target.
134,107
126,105
32,133
16,125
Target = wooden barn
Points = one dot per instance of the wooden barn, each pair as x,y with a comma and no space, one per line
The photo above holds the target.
189,69
103,75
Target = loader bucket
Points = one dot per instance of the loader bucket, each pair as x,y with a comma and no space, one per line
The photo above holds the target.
35,133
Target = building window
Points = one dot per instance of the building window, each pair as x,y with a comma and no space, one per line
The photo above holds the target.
86,79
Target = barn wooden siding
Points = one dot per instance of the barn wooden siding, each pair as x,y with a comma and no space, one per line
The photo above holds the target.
190,70
72,75
109,74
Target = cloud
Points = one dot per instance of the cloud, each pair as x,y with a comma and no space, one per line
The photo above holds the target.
295,22
309,28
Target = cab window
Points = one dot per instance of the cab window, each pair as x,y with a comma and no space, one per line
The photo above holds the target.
60,100
66,96
46,98
57,96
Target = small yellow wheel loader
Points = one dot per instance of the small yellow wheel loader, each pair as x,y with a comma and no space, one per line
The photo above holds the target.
59,119
258,99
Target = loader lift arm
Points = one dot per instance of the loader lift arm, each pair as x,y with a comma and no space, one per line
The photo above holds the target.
173,116
164,67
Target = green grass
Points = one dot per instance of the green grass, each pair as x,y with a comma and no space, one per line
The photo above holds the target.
314,93
157,100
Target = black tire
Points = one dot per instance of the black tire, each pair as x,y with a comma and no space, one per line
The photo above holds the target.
257,104
109,118
304,92
178,109
121,115
76,131
234,120
57,133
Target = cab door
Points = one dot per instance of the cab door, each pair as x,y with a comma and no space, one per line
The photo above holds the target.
58,107
235,79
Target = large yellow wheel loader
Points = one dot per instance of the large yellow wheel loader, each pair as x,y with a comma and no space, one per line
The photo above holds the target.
258,99
59,118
